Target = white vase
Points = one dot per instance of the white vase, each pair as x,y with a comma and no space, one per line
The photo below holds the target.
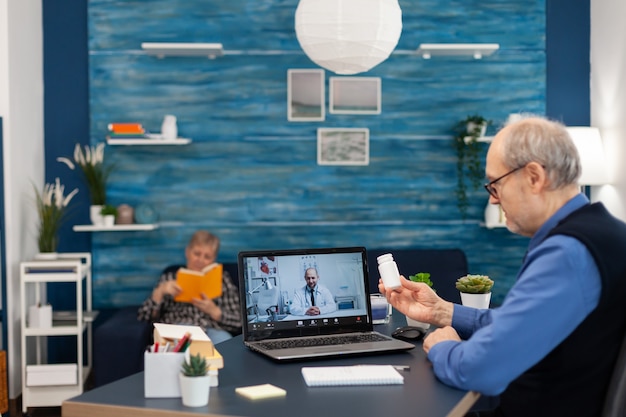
419,324
169,130
476,300
46,256
95,215
108,220
195,390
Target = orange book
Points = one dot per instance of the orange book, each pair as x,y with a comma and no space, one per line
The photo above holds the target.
193,283
126,128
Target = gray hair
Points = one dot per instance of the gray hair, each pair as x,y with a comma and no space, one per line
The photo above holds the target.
204,238
536,139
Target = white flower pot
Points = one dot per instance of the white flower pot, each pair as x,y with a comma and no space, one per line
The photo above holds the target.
95,216
46,256
476,300
108,220
195,390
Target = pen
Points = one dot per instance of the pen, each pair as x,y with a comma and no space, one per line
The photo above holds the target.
186,345
182,342
166,348
156,347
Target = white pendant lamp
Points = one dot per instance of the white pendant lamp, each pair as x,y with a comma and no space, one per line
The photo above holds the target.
348,36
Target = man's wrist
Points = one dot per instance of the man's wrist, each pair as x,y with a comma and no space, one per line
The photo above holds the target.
442,313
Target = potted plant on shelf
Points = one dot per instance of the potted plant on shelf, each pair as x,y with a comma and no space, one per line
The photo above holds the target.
468,151
475,290
90,159
195,381
108,213
51,208
425,278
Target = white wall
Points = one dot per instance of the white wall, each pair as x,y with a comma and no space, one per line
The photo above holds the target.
608,95
21,107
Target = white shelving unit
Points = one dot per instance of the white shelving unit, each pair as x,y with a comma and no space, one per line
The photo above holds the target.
34,275
146,141
114,228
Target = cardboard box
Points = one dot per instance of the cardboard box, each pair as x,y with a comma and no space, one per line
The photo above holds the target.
200,342
56,374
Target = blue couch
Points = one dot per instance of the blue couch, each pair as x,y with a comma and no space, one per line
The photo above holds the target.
120,339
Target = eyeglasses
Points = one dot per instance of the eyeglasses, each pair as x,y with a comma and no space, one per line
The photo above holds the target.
493,190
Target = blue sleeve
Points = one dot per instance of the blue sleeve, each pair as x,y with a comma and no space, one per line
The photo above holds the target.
558,286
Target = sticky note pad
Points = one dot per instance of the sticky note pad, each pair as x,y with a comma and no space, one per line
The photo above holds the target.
256,392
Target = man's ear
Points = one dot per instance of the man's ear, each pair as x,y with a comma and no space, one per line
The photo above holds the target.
537,176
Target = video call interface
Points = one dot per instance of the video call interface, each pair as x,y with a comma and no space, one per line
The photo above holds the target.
278,296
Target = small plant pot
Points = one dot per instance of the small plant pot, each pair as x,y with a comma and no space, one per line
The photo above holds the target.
195,390
108,220
476,300
95,216
419,324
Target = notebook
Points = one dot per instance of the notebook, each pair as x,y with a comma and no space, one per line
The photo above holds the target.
278,304
333,376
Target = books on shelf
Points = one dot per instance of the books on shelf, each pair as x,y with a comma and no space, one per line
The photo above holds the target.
126,129
193,283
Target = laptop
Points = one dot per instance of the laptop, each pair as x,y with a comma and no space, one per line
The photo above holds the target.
284,322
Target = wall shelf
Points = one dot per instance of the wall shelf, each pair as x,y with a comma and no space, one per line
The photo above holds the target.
146,141
163,49
114,228
476,50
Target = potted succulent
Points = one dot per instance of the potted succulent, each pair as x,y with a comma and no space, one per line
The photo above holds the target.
425,278
108,213
468,151
195,381
475,290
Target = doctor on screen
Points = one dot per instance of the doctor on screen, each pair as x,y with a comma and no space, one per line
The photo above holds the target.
313,299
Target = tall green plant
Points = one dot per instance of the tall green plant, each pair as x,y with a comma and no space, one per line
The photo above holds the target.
95,172
51,208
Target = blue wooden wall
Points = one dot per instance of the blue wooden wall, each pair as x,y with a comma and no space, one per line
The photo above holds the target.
251,176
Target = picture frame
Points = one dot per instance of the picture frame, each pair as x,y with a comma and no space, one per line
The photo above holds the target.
343,146
306,95
355,95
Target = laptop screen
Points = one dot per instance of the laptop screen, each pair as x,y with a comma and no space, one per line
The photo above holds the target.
304,292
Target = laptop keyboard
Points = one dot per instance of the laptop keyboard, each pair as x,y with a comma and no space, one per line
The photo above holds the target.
321,341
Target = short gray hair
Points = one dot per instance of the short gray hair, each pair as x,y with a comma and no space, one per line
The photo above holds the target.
536,139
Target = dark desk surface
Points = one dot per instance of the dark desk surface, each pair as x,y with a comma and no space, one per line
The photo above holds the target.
421,395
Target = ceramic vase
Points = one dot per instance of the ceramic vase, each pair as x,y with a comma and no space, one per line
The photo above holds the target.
95,215
169,130
195,390
476,300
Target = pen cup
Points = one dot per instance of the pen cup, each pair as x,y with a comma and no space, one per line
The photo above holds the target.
381,309
40,316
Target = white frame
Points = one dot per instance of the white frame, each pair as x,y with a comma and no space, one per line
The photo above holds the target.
357,138
302,83
354,95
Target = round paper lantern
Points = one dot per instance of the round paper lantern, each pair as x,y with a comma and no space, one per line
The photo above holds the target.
348,36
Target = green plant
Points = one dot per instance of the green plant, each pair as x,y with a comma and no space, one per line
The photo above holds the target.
474,284
108,210
468,151
95,172
422,277
51,208
195,366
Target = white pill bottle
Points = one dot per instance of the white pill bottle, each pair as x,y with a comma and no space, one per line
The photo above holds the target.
389,271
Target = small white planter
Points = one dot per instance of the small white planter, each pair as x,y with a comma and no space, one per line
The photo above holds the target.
95,216
476,300
195,390
108,220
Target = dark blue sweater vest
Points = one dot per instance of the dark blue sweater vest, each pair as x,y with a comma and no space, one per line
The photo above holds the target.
572,380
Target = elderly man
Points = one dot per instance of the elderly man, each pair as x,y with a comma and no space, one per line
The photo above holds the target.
550,348
313,299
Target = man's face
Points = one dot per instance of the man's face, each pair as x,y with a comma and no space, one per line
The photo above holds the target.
311,278
199,256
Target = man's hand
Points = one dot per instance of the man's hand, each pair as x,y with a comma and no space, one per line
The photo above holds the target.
440,335
313,311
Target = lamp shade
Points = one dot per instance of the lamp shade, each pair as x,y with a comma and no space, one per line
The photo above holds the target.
348,36
592,158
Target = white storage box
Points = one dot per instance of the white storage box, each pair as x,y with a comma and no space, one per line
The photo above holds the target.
56,374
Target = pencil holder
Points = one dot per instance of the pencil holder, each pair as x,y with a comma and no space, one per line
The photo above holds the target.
40,316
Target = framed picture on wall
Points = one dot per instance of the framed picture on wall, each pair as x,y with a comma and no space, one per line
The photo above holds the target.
355,95
347,146
305,95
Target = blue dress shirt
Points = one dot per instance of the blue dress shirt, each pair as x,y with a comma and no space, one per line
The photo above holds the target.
557,286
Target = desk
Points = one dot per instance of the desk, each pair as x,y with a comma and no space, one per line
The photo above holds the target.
420,395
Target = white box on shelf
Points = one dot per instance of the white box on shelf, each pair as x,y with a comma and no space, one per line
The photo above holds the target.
40,317
54,374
